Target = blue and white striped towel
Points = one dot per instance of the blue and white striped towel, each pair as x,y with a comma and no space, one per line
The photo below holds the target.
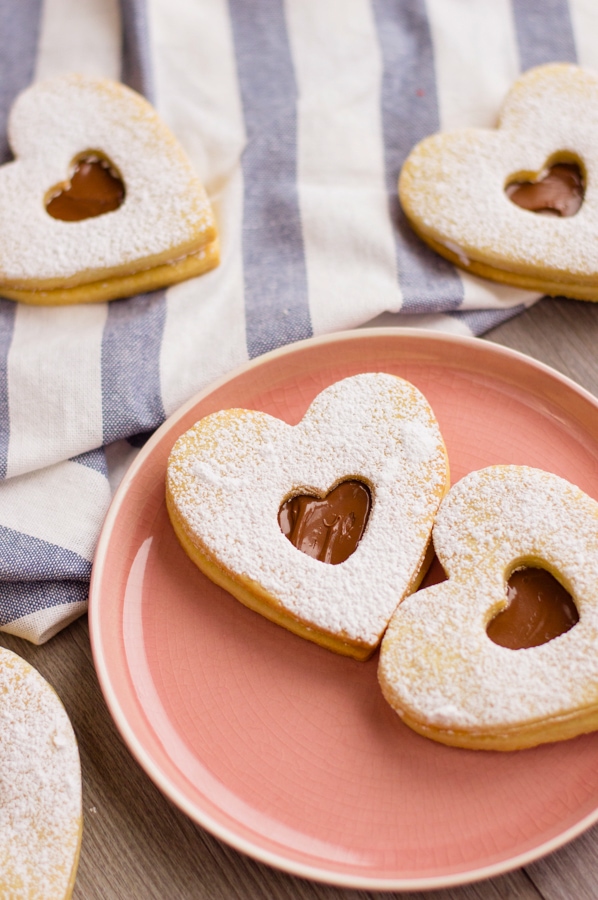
298,115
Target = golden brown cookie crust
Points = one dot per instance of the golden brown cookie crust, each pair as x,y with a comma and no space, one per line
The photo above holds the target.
126,285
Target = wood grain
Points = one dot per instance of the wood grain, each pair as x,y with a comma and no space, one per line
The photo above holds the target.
137,845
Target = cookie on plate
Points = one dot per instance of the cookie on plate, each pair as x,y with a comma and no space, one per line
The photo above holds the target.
101,201
519,203
502,655
324,526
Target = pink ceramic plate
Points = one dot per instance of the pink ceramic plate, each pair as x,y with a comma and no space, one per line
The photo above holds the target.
284,750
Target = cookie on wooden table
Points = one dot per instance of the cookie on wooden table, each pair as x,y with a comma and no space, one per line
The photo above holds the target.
40,787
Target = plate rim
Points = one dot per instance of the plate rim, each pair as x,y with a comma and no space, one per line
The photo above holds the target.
202,817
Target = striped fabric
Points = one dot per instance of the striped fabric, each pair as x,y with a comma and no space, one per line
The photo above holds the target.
298,115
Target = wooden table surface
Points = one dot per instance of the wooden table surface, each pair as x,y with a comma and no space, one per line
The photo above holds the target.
137,845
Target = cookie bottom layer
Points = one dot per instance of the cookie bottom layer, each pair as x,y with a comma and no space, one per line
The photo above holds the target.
73,878
125,285
546,731
572,289
256,598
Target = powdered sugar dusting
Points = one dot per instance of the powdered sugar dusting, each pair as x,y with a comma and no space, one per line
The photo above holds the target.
40,786
452,185
165,213
230,473
437,663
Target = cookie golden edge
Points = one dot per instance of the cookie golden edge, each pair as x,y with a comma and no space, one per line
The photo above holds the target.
572,289
547,731
151,279
193,249
542,731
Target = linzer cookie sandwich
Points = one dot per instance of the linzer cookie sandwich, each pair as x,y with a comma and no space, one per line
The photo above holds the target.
101,201
324,526
518,203
502,655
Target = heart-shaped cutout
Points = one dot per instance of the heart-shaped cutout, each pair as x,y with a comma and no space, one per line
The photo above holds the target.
229,473
95,187
558,192
439,668
327,528
540,609
452,187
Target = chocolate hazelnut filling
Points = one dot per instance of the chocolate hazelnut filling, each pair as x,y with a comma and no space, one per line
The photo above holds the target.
539,609
329,528
559,193
435,574
94,188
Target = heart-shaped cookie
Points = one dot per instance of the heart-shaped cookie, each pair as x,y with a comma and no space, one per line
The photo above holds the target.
230,476
457,188
40,801
158,230
440,666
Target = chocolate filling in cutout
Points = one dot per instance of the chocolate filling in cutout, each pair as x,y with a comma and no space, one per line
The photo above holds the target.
328,528
539,609
94,188
559,193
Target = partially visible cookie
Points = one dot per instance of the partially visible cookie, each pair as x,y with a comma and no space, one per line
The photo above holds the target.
485,660
40,787
517,204
101,201
322,527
